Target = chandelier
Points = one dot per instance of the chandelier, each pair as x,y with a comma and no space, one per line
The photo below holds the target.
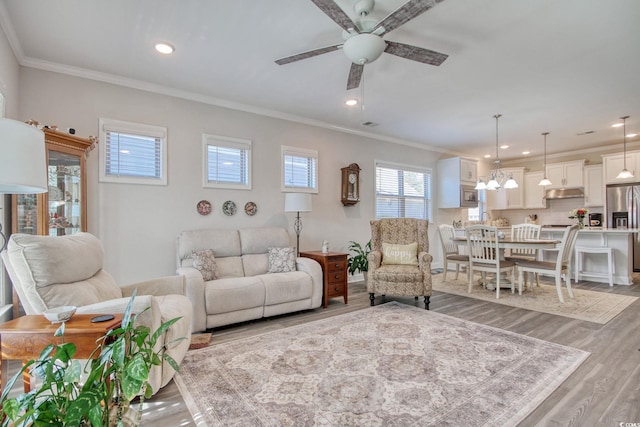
498,177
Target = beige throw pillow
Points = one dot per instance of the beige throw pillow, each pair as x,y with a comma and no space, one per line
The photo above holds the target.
282,260
400,254
205,262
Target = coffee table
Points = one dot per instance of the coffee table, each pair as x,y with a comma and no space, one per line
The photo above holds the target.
24,339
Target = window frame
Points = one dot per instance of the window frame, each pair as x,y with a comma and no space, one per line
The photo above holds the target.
226,142
428,197
298,152
119,126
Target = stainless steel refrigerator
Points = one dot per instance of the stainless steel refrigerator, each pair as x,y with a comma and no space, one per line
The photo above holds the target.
623,208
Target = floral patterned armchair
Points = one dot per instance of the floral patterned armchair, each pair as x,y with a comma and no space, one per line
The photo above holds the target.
399,261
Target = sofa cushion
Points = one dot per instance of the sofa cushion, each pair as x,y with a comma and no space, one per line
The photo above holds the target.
400,254
258,240
225,243
205,262
230,266
239,293
255,264
282,260
285,287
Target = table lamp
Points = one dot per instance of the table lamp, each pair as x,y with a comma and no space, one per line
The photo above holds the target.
297,202
23,166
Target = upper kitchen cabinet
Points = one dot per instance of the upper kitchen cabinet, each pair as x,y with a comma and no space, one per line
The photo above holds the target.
63,209
614,163
457,178
593,186
512,198
534,193
565,174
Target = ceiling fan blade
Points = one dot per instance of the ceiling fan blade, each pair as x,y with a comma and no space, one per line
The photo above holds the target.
333,11
404,14
415,53
308,54
355,74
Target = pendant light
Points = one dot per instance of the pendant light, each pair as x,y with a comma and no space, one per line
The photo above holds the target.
480,185
545,180
624,173
497,176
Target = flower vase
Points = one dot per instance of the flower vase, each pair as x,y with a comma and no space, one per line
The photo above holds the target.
580,223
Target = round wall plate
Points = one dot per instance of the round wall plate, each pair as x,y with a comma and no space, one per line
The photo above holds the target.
229,208
204,207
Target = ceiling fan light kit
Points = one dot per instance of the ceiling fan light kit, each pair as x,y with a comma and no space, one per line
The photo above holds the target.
363,36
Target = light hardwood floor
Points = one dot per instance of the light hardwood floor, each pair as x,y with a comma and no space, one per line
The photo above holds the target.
604,391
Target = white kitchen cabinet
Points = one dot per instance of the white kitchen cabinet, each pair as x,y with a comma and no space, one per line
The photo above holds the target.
565,174
457,178
614,163
534,193
508,198
593,186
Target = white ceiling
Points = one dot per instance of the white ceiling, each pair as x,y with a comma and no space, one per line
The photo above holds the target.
563,66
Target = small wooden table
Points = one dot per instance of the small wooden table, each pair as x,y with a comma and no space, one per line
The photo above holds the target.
24,338
334,273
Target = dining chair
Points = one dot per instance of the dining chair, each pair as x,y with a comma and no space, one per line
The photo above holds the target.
522,232
450,250
562,265
485,256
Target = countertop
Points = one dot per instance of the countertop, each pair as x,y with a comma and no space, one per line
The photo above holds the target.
595,230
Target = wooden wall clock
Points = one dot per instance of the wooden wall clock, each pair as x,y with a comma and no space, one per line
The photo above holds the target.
350,184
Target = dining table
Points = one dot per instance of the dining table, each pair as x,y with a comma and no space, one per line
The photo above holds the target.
509,243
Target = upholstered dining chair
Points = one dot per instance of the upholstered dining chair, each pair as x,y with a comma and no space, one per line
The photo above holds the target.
53,271
485,256
399,261
450,250
523,232
561,266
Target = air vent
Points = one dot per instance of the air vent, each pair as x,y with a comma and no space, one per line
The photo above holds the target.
369,124
586,133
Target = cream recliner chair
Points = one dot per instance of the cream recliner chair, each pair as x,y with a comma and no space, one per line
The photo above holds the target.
49,272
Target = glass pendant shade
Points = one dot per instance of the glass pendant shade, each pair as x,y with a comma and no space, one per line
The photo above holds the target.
624,173
497,176
545,180
511,183
480,185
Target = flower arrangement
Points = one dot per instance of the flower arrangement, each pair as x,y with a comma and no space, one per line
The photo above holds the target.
579,214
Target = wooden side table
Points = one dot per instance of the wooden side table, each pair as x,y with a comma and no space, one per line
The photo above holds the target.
24,338
334,273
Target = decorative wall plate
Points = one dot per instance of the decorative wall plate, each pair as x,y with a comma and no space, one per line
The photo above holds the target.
229,208
250,208
55,194
204,207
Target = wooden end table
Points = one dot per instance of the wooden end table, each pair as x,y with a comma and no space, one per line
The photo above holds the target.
24,338
334,273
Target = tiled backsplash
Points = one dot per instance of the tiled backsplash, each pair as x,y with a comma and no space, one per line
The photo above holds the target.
557,212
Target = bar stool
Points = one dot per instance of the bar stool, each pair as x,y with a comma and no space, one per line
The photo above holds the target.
581,250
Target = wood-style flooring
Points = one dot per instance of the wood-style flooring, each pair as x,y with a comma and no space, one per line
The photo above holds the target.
604,391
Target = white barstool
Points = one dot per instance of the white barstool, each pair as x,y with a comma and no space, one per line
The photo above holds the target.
581,250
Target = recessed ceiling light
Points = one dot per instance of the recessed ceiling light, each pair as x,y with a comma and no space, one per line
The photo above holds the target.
504,147
631,135
486,156
526,152
616,125
351,102
165,48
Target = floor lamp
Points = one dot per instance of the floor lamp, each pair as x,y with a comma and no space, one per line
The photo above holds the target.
297,202
23,166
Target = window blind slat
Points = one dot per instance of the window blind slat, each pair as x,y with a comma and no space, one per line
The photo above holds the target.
403,192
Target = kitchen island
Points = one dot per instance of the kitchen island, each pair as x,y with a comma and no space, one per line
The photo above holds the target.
618,239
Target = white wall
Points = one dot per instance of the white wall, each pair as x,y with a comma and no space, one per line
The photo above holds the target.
138,224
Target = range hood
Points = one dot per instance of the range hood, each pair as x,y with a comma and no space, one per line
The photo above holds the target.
564,193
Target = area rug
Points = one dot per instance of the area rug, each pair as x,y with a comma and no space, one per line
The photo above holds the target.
592,306
388,365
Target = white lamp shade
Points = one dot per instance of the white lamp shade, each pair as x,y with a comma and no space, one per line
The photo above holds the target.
297,202
23,167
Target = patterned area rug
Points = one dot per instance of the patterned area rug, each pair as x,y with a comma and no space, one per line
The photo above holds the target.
592,306
388,365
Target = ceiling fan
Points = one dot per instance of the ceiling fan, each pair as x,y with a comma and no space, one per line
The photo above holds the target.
363,37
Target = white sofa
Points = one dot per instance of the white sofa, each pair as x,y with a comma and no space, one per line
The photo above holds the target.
244,290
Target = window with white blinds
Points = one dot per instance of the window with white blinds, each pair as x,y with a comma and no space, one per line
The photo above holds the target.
403,191
132,153
227,162
299,170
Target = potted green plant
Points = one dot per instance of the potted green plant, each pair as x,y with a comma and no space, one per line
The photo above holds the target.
118,374
358,262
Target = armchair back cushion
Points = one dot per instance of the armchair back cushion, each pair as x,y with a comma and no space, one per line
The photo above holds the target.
400,231
52,272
